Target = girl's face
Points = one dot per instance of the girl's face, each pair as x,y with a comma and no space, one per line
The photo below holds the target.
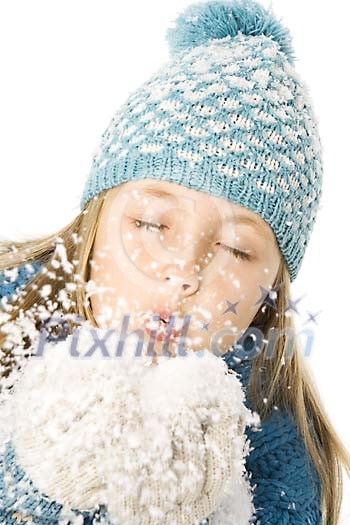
162,246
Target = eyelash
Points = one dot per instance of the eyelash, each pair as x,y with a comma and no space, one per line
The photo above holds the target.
148,225
237,253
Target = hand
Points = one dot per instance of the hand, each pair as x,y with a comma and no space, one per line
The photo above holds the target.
147,442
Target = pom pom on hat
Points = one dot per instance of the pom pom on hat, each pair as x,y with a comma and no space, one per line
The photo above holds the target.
216,19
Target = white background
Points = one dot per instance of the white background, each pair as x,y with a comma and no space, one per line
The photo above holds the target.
67,66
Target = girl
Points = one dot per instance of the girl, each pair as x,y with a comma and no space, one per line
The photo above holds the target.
200,201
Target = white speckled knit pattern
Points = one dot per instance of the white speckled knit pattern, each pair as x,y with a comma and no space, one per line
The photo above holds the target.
231,118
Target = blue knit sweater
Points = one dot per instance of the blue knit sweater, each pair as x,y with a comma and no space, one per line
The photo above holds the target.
287,488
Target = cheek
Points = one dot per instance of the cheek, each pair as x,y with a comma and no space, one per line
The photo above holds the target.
249,275
104,263
119,255
242,285
113,268
139,249
106,272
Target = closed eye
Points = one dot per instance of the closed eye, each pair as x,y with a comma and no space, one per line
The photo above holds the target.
237,253
158,227
147,225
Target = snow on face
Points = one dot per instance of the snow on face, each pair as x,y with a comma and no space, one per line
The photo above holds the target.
189,253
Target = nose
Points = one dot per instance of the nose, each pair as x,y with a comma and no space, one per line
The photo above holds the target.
181,282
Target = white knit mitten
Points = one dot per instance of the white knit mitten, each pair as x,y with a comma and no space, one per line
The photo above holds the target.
156,445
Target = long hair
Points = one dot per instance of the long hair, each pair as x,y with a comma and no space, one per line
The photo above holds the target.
288,382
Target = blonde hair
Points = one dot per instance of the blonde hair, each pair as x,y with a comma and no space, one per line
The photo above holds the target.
288,382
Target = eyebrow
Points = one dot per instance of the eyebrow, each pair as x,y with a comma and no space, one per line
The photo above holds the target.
237,218
156,192
244,219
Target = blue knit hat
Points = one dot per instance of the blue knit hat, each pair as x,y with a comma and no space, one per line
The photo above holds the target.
227,115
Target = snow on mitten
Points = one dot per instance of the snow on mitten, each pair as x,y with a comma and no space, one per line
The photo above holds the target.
63,408
156,445
189,453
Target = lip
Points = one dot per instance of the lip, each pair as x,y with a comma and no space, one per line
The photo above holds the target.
159,328
173,334
166,314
